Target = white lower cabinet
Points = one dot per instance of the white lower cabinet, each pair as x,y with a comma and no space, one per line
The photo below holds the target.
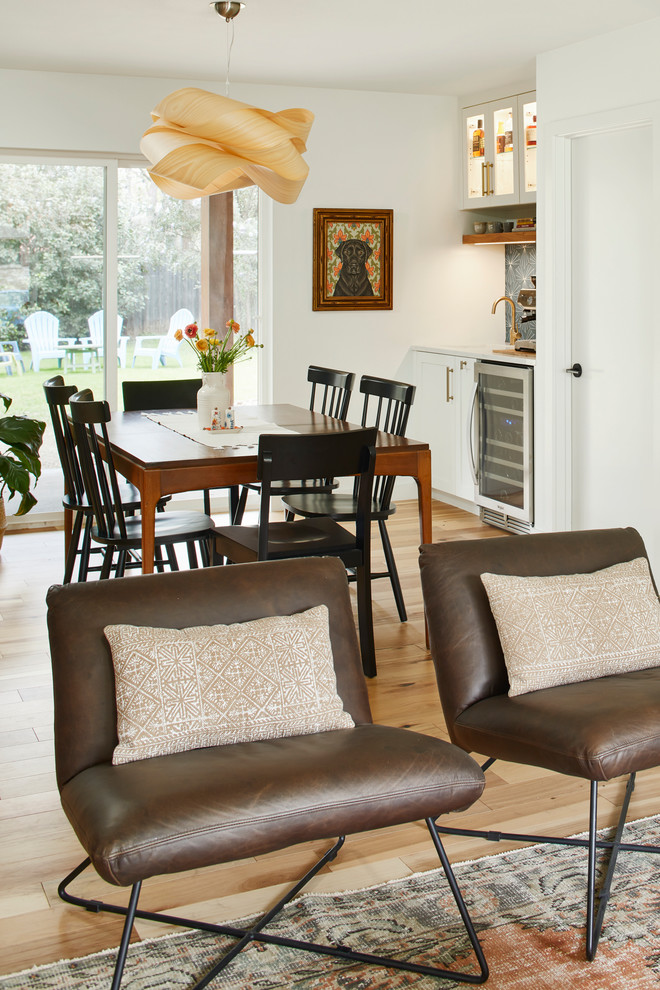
442,413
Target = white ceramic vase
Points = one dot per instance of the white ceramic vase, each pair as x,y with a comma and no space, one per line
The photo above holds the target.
212,400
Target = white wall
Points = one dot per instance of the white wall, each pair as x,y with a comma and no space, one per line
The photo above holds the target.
612,70
366,150
583,86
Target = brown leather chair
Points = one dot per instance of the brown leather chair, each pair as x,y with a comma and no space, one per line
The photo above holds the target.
207,806
596,729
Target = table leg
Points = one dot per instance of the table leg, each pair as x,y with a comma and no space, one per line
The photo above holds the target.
148,500
423,480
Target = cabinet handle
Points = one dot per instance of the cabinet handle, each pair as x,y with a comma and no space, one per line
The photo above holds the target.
450,397
463,365
483,179
491,189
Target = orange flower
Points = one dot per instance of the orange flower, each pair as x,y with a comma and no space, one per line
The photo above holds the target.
233,326
178,334
202,345
190,330
370,268
249,339
209,333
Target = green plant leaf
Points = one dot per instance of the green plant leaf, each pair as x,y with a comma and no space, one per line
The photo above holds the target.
22,430
14,475
7,401
27,458
27,502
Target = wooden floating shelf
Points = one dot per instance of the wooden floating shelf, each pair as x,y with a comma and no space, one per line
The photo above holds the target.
515,237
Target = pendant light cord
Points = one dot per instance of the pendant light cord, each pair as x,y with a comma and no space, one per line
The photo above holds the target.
230,45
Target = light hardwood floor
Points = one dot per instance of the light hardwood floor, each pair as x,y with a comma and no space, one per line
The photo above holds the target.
38,848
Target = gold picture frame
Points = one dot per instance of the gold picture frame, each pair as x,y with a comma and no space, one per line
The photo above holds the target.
352,259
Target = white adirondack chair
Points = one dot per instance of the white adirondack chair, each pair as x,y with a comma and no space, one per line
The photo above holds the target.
160,348
95,339
43,330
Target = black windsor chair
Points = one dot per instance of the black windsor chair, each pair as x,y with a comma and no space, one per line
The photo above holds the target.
113,529
330,396
386,406
346,454
74,499
180,393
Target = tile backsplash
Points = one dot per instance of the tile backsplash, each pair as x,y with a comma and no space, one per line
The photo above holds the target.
520,265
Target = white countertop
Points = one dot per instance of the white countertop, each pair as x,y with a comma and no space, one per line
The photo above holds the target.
484,352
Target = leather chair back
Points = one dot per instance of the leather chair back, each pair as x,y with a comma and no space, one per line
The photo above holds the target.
83,677
464,641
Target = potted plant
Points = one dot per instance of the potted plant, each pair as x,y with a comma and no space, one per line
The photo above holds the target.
20,440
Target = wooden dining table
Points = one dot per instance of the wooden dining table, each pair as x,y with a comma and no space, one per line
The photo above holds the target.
160,461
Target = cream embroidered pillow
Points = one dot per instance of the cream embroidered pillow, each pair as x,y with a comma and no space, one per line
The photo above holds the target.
181,689
574,627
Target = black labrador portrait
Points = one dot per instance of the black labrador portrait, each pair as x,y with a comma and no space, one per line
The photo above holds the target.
353,277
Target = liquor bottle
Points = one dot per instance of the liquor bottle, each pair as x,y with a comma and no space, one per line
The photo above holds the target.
500,138
530,134
508,134
478,140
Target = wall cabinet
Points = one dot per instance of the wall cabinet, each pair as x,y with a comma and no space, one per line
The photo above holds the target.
498,152
442,415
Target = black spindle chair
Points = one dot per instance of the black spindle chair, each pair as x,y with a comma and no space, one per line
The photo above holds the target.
113,529
387,406
330,396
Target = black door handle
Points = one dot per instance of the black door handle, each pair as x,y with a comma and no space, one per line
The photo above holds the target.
576,371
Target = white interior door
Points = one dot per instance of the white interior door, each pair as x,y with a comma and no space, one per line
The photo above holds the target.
612,304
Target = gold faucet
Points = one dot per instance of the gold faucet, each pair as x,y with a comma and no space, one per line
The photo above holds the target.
515,333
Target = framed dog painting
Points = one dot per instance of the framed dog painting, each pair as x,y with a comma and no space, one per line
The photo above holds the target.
352,259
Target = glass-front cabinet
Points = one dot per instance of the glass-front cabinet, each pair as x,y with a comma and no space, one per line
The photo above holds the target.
498,142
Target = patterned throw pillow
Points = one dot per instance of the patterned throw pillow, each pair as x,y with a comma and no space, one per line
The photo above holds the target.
181,689
574,627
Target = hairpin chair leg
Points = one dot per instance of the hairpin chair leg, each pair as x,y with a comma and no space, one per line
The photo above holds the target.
596,901
256,933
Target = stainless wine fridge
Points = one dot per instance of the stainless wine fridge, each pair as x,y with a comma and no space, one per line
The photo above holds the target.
503,434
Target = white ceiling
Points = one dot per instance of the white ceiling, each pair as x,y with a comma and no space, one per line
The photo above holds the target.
433,46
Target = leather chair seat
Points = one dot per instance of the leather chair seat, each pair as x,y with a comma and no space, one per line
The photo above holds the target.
160,816
549,729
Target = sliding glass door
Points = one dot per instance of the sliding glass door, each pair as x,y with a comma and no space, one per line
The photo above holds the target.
116,265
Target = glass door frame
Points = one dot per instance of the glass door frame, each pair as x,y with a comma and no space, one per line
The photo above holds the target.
111,165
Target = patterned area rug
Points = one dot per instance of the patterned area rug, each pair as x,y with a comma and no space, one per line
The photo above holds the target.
528,907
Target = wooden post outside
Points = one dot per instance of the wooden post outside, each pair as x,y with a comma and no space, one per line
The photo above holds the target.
217,292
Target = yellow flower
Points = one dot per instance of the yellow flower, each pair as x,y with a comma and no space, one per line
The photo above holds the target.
215,341
178,334
209,333
202,345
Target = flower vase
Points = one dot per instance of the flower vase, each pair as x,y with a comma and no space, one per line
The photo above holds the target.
212,400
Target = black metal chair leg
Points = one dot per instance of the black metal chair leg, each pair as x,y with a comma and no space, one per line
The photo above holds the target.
595,915
257,934
126,936
392,571
366,622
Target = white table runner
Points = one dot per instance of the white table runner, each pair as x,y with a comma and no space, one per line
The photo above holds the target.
186,424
